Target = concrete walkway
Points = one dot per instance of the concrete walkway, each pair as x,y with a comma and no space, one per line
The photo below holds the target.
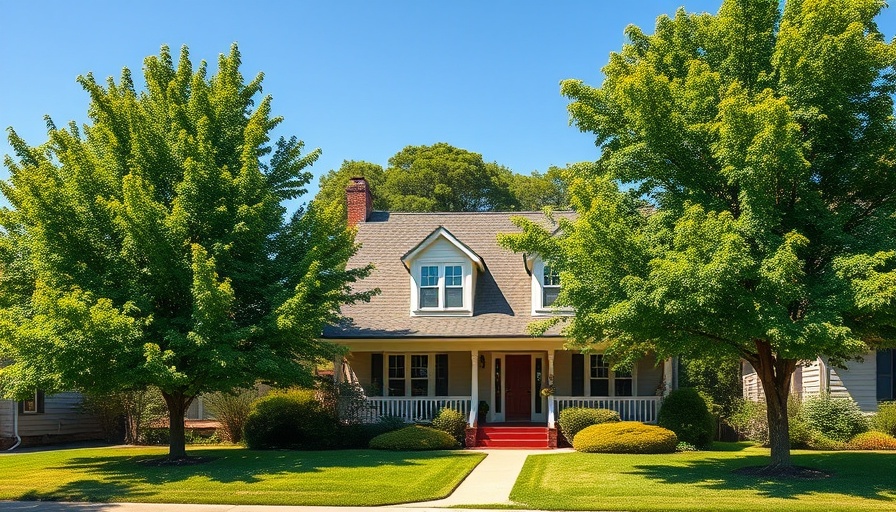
489,483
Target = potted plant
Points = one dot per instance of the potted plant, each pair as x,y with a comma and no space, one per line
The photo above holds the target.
483,411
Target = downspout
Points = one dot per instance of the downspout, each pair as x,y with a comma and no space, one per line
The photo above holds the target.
15,426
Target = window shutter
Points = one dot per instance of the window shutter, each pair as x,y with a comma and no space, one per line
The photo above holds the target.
376,374
578,375
21,407
441,374
886,387
40,401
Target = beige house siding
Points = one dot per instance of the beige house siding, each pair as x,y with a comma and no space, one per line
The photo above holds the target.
649,376
459,373
563,371
62,417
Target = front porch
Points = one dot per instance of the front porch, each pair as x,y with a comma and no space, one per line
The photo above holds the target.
413,381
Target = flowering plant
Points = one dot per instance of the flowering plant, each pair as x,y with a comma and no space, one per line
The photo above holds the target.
548,391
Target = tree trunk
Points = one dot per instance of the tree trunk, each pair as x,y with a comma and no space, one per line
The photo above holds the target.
177,406
775,375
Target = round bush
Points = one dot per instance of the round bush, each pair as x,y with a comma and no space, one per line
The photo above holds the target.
414,437
573,419
885,418
452,422
625,437
838,419
684,412
873,441
292,419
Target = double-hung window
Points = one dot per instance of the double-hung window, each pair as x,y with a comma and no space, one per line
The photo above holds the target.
602,378
429,286
441,286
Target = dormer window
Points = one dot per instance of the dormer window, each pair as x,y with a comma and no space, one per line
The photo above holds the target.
443,275
441,286
545,287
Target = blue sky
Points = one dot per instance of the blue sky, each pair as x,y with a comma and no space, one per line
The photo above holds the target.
360,80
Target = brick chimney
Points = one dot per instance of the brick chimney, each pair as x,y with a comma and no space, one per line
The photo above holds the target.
359,200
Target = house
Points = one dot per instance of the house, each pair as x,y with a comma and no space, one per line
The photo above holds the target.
449,328
867,381
46,419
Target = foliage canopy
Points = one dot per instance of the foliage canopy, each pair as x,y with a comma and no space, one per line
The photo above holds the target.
764,141
150,246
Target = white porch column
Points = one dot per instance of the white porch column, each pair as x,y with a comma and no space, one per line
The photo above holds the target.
551,367
667,376
337,369
474,386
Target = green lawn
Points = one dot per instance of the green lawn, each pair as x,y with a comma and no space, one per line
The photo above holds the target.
235,476
704,481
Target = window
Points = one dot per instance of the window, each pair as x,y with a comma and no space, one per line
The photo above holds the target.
419,375
441,287
621,382
396,375
454,286
416,374
33,404
429,287
551,285
600,376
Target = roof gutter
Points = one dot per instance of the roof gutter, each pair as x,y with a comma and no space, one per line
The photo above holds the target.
15,426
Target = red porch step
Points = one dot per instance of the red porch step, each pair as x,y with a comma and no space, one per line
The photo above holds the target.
512,437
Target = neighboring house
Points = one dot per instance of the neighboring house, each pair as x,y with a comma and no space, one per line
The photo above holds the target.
866,382
449,327
46,419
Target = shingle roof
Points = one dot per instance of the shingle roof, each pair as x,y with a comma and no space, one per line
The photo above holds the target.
503,299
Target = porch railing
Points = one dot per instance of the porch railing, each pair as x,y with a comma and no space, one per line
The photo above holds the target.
411,409
630,408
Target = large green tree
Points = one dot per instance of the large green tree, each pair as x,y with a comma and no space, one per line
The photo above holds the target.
150,246
437,178
766,142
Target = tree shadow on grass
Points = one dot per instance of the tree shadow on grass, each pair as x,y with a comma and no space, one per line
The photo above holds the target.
859,474
117,476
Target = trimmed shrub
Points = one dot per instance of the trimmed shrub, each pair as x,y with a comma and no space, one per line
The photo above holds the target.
415,437
685,412
750,419
291,419
452,422
573,419
625,437
818,441
885,418
358,435
836,418
873,440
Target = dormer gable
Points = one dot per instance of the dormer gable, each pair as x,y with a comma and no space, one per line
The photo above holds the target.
545,280
443,273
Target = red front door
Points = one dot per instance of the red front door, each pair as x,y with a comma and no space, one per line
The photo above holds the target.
518,385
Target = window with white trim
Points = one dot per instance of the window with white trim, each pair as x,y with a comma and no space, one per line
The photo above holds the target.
396,375
442,287
419,375
603,379
33,404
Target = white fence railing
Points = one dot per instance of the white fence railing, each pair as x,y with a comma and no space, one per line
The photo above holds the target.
630,408
411,409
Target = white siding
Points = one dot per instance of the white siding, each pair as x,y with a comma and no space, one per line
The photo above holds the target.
7,409
443,250
858,382
62,416
812,383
